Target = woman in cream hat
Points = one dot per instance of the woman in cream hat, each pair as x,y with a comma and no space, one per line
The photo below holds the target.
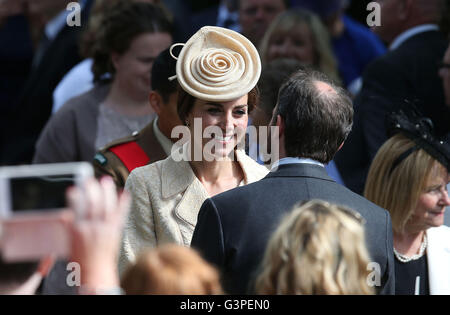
217,70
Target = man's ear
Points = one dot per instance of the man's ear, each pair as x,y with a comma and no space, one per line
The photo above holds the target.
340,147
115,57
155,102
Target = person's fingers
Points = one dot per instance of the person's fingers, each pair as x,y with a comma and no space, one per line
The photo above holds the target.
109,196
45,265
74,200
94,200
66,216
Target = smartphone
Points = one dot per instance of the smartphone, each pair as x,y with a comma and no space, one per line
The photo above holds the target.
33,206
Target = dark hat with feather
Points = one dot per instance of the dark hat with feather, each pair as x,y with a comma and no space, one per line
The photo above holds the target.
420,130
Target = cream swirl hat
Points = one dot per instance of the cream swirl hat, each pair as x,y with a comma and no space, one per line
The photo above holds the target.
218,64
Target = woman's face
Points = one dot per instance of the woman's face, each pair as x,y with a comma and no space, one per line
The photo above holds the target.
228,121
133,68
431,205
296,43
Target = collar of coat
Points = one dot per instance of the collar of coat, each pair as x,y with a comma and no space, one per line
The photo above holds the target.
178,177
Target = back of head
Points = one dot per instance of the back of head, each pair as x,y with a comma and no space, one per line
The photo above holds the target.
272,77
317,114
318,248
171,269
120,25
164,68
94,24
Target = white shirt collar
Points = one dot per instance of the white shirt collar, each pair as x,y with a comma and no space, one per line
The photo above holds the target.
162,139
292,160
403,37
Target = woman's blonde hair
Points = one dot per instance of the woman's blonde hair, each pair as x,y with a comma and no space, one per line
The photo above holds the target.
171,269
288,20
397,189
319,248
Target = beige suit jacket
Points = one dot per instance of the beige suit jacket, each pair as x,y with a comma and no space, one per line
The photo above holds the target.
167,197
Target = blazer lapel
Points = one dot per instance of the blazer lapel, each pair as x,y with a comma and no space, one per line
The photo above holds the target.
438,255
252,171
191,202
178,177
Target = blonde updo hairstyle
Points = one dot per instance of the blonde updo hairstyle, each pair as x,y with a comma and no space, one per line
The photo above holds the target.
318,248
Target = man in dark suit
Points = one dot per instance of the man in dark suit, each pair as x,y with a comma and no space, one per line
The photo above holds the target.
313,117
407,75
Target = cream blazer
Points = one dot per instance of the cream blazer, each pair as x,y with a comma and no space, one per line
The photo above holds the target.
166,199
438,255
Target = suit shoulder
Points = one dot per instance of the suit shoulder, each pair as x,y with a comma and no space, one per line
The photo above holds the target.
367,204
241,193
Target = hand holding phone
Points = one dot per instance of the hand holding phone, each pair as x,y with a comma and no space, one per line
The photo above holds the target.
33,209
96,234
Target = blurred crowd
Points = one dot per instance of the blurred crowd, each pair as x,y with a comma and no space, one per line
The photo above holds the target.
369,105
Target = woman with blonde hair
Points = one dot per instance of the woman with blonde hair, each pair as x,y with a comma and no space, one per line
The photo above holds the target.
319,248
171,269
300,34
408,177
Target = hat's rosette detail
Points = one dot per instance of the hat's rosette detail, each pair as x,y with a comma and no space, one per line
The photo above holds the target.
217,64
